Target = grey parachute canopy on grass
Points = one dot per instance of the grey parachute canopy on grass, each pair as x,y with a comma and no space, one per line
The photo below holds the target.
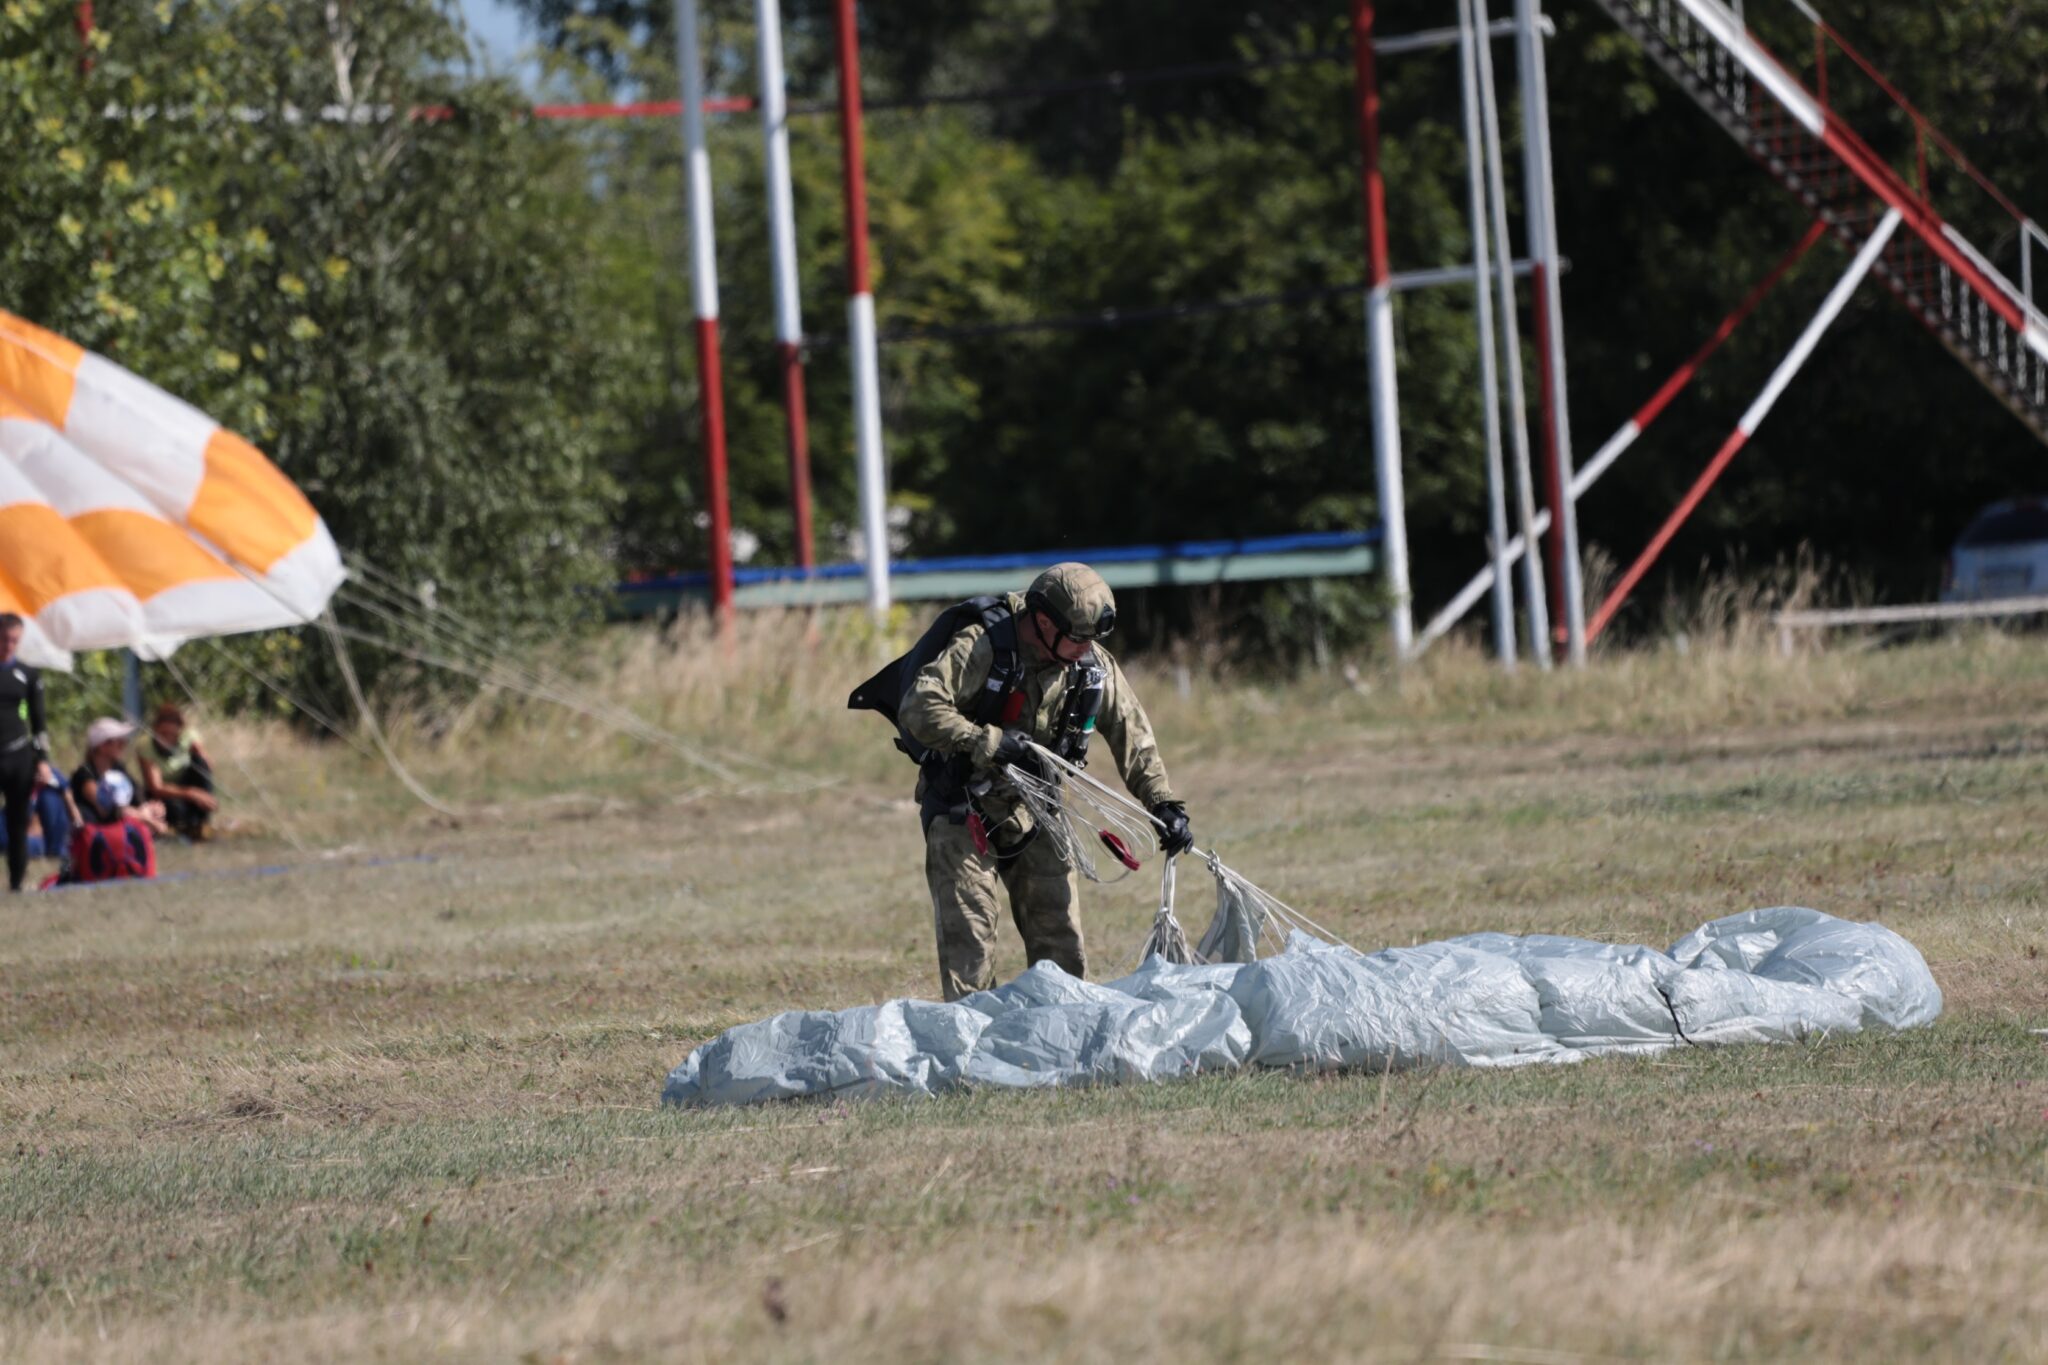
1764,976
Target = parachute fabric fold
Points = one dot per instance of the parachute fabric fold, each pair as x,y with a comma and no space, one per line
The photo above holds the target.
35,645
1776,975
130,518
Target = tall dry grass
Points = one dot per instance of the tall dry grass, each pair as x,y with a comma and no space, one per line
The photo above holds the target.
687,710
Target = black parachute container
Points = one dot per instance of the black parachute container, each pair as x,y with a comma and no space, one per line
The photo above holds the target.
884,692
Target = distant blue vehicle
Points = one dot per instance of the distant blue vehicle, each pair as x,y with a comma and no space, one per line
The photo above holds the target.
2003,552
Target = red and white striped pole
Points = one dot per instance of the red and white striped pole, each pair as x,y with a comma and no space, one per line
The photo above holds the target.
1625,435
1830,309
704,289
1383,388
860,317
789,325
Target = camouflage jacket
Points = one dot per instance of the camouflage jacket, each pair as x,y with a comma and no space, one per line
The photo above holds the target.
935,709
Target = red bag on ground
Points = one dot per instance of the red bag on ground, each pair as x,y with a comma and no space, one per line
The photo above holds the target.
105,853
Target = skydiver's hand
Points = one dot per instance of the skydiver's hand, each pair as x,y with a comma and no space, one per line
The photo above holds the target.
1015,751
1177,832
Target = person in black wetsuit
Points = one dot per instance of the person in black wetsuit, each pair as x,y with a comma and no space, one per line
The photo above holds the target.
24,744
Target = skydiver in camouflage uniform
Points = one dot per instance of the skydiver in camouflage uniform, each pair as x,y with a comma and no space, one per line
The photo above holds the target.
1031,666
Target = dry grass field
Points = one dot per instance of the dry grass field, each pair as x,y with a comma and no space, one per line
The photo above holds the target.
372,1082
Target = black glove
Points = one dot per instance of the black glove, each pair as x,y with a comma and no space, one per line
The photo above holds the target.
1177,835
1015,751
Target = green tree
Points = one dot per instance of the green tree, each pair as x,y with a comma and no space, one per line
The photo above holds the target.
317,225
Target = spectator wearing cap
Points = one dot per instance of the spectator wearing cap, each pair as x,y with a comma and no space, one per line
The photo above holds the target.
104,790
176,772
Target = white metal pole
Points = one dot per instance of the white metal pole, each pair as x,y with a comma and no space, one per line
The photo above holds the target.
1624,437
867,415
1540,201
1534,605
1489,382
1386,448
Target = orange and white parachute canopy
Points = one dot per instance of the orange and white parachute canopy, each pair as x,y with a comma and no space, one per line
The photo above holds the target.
130,518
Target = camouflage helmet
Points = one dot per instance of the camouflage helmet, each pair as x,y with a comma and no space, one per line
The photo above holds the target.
1075,597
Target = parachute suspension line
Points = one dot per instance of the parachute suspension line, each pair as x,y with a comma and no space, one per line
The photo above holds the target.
262,794
493,671
1080,816
335,631
477,659
1167,941
463,634
307,709
369,719
1100,795
448,628
460,655
441,627
1276,910
1272,913
492,678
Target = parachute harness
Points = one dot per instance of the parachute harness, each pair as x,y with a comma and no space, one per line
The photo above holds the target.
1078,814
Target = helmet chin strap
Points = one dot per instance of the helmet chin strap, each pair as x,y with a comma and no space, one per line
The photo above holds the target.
1051,647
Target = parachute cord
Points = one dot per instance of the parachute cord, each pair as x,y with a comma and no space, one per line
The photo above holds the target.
493,672
317,716
449,628
355,691
466,670
1167,941
269,803
442,628
1672,1006
636,727
1070,819
1109,801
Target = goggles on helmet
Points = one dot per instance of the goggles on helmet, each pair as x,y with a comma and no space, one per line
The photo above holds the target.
1100,627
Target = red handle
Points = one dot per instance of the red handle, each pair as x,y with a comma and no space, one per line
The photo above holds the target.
1122,850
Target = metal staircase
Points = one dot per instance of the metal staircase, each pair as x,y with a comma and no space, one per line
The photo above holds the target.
1981,316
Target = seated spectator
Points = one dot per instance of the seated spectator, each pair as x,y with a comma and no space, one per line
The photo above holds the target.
175,771
102,788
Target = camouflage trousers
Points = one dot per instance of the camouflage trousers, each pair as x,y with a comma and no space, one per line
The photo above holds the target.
1044,903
